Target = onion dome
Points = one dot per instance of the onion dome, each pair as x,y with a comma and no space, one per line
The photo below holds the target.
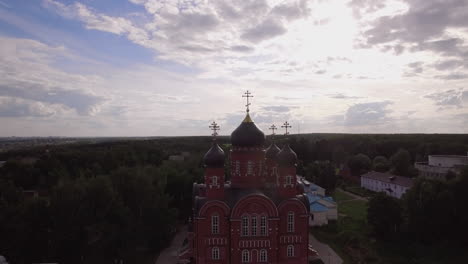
247,134
272,151
214,158
287,157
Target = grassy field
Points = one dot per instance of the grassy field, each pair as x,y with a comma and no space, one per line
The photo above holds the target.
340,196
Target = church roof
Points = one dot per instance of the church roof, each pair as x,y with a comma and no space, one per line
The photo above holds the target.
233,195
214,158
272,151
287,157
247,134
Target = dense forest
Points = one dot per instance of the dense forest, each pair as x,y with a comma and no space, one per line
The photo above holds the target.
98,203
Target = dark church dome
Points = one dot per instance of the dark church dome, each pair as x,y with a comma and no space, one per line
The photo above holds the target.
214,158
287,157
247,134
272,151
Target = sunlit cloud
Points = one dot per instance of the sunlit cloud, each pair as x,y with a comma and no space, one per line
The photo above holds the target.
328,66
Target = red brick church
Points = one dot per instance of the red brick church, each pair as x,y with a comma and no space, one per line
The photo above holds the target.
259,216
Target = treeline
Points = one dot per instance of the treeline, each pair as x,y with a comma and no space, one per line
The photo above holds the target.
96,203
337,147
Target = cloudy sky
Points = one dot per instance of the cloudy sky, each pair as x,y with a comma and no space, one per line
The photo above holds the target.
170,67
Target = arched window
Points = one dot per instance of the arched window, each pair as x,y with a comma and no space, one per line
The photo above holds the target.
263,225
245,226
214,180
215,253
245,256
215,224
290,251
254,226
263,257
290,222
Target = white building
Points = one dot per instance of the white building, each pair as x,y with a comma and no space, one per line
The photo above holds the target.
322,210
438,166
392,185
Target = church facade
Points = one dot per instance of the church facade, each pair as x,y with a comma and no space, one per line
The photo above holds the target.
260,216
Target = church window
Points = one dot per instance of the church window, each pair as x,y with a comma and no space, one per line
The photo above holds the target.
290,222
254,225
215,224
289,180
245,226
215,253
263,226
245,256
215,181
237,168
290,251
263,256
250,165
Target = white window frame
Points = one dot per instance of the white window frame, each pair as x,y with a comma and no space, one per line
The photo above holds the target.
263,255
253,221
215,224
289,180
237,167
245,256
245,226
263,226
250,167
214,181
290,251
290,222
215,253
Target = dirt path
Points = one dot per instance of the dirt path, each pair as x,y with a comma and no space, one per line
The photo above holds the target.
327,254
169,255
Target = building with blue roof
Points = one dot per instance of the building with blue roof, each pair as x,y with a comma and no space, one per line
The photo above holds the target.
322,208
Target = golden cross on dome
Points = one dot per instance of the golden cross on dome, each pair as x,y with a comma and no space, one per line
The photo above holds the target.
286,126
273,128
215,128
247,95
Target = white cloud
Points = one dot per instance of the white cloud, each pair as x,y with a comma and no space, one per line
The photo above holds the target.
25,67
364,114
298,57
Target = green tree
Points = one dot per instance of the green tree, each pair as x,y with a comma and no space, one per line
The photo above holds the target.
359,164
323,174
384,215
401,162
380,164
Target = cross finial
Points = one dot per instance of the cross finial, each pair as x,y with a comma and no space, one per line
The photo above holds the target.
215,128
286,126
247,95
273,128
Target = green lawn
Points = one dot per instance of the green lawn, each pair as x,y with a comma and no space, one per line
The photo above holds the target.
340,196
356,209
